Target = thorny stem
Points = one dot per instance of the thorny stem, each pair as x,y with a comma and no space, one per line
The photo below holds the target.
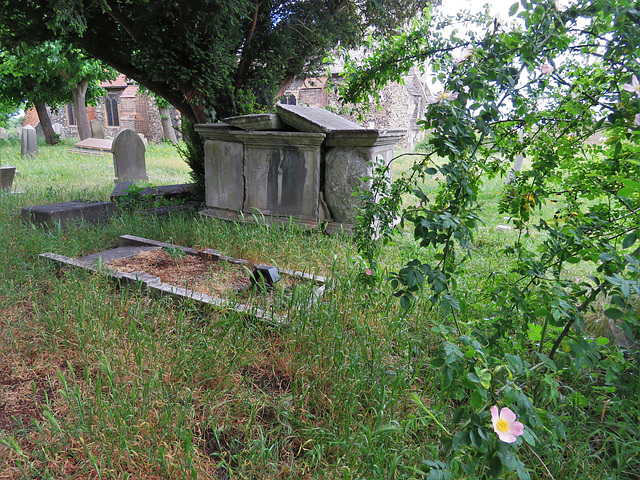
540,460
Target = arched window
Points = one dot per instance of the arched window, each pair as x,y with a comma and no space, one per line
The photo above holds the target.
288,99
111,111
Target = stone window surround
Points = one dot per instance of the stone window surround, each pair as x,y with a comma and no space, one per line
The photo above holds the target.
112,120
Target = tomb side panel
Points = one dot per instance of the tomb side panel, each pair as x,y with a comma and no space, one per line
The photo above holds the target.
224,177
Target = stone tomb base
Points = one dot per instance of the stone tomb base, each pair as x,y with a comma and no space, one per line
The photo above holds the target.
131,246
259,218
64,212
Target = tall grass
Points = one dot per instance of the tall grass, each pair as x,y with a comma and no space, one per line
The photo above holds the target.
99,381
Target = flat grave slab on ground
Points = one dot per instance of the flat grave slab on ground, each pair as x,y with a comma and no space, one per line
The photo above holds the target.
94,146
64,212
169,192
202,275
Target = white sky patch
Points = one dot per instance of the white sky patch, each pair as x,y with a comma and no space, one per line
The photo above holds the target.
498,8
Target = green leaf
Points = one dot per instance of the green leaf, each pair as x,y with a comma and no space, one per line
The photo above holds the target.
629,240
405,302
476,400
613,313
437,362
529,437
495,466
514,9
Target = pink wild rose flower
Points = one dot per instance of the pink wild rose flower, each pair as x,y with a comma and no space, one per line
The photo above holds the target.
633,87
441,97
505,424
546,69
466,53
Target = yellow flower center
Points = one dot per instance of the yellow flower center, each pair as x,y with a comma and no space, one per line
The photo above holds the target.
502,425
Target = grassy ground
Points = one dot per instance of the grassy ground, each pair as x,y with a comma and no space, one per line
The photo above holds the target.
102,382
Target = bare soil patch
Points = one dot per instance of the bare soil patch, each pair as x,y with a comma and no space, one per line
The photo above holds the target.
20,398
218,278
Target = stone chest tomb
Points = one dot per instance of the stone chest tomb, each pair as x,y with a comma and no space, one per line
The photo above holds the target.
301,163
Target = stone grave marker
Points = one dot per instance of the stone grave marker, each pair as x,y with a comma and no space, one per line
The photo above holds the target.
128,157
39,130
97,129
3,134
6,177
301,163
517,166
517,163
28,142
58,129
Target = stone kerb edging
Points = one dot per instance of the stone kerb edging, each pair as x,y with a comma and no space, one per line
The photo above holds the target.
153,286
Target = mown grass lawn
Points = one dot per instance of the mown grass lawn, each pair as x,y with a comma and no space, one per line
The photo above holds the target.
98,381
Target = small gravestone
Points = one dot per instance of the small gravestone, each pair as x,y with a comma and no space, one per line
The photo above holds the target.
97,129
39,130
128,157
6,177
28,142
3,134
58,129
517,166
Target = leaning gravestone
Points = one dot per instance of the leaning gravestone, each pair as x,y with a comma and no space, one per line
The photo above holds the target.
128,157
97,129
58,129
39,130
28,142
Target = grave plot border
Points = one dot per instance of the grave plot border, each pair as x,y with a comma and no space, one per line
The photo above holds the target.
153,286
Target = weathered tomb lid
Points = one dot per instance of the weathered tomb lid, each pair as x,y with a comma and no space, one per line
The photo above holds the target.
364,138
311,119
226,133
258,121
203,128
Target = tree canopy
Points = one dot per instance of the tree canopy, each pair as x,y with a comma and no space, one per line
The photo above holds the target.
208,58
52,74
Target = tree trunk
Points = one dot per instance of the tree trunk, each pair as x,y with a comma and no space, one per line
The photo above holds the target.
80,109
167,128
45,122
